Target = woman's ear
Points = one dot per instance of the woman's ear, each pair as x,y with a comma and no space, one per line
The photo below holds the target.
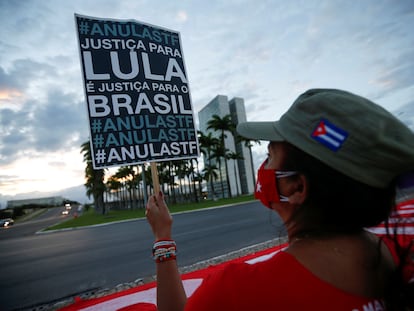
300,192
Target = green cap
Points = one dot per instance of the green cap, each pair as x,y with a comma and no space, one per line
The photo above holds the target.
345,131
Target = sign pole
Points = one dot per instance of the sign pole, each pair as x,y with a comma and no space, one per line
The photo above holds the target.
155,180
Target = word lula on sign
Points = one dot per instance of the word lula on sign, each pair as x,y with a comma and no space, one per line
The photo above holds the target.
173,68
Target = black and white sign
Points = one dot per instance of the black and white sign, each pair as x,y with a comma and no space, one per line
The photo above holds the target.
137,92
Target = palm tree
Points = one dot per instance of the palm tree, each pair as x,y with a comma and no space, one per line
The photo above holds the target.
194,176
179,169
218,153
164,175
249,144
171,181
94,184
113,186
198,177
210,175
207,143
126,175
184,169
222,125
235,156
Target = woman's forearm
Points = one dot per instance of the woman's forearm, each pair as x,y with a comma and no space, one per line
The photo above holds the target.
170,291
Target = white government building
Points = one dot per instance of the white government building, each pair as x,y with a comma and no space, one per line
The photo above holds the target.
241,174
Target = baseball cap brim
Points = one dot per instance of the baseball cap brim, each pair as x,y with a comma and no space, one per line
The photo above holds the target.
260,131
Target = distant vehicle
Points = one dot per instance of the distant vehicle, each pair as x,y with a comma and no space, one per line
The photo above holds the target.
65,212
68,206
7,222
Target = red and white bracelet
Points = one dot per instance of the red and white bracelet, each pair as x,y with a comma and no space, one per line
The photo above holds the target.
164,250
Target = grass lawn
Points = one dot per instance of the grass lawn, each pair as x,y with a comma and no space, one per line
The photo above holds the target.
89,217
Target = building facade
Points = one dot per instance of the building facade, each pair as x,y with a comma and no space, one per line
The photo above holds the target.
240,177
48,201
245,166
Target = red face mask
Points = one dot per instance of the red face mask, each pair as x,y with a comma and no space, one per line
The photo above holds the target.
266,186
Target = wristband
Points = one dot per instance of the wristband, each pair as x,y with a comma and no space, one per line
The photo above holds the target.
164,250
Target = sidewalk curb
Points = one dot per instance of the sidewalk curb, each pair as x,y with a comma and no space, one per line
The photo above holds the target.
135,219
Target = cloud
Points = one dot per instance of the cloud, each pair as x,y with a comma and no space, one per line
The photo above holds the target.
52,126
37,114
25,76
67,119
13,135
181,16
396,74
406,114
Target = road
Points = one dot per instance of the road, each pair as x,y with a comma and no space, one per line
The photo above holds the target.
40,268
20,229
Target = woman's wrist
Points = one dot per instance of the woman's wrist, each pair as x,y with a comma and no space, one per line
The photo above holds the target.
163,238
164,250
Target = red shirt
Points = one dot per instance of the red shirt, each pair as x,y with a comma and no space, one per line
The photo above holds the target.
279,283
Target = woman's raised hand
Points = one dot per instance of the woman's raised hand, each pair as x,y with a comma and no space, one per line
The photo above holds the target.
159,217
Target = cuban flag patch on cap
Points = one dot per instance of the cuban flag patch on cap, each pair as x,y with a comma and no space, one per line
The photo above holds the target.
329,135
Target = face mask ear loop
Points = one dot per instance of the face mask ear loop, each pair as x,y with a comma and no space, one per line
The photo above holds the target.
283,198
283,174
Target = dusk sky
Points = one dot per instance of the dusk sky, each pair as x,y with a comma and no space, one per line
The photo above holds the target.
267,52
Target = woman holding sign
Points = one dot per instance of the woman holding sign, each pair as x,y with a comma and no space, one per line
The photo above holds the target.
334,160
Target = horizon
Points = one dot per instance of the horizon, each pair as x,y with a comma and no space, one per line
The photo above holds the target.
266,53
407,116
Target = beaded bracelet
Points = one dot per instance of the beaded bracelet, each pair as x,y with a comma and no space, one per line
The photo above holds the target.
164,250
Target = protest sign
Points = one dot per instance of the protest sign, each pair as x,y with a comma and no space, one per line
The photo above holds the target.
137,92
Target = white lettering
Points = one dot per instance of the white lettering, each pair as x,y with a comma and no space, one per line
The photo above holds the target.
162,101
112,44
147,69
173,68
89,72
113,155
116,66
166,50
165,87
98,106
121,101
143,103
149,150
